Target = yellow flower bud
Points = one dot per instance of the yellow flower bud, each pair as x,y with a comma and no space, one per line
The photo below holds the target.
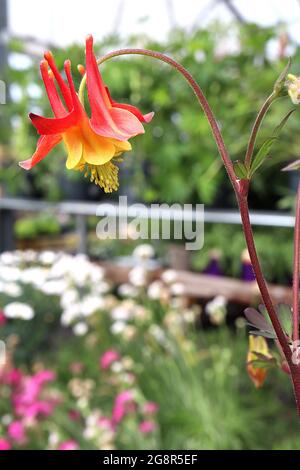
257,344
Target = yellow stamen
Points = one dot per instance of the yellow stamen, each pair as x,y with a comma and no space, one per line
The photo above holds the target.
105,176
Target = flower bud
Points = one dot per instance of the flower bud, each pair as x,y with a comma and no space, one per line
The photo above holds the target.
257,347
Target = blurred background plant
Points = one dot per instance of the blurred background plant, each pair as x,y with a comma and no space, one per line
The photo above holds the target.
100,366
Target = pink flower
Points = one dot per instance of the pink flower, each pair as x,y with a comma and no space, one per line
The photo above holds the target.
124,404
150,408
68,445
106,423
31,387
26,399
4,444
13,377
2,318
110,356
146,427
16,432
40,408
44,376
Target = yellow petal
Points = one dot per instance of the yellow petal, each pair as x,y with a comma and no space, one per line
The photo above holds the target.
101,152
124,146
74,148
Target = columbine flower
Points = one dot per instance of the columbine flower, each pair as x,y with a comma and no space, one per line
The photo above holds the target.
92,144
293,87
258,346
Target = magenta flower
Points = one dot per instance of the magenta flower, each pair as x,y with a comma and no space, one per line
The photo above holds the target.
27,397
146,427
44,376
2,318
150,408
13,377
32,386
40,408
74,415
124,404
69,445
4,444
106,423
108,358
16,432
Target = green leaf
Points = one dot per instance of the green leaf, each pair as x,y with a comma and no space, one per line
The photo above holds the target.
240,170
281,125
285,315
267,145
262,154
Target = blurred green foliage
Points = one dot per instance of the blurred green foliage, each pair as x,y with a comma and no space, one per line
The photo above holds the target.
33,227
176,160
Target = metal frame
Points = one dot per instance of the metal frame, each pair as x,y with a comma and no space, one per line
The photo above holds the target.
81,210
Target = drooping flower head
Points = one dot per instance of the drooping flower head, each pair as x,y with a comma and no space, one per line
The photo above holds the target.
94,143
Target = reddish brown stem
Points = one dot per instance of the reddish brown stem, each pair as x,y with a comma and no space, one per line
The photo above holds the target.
294,368
296,271
244,210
